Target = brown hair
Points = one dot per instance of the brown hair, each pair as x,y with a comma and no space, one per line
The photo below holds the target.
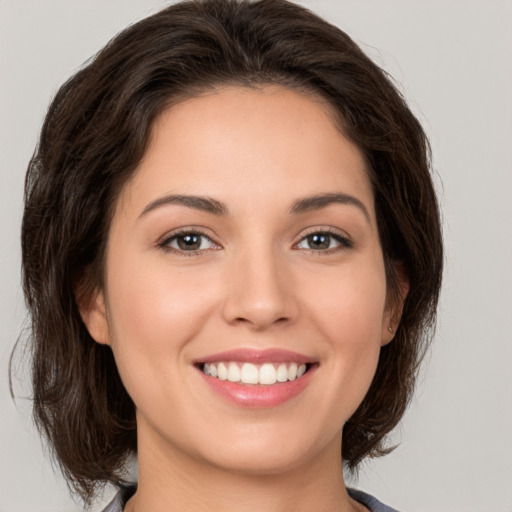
92,140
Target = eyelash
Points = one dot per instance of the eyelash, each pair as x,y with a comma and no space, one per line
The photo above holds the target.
164,244
345,242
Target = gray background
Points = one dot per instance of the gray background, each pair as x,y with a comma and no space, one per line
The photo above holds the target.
453,60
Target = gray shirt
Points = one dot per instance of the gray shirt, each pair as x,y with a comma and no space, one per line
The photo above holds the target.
126,492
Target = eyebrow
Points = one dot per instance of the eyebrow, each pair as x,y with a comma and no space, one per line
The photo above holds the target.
206,204
320,201
210,205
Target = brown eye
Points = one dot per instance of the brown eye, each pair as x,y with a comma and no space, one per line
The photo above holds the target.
319,241
322,241
189,242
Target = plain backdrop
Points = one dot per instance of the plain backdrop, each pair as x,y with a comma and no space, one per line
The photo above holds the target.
453,60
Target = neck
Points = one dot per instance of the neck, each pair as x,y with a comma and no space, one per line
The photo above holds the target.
171,480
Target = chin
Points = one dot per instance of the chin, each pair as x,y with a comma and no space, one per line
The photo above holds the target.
266,452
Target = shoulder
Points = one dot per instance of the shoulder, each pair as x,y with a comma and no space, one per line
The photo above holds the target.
125,492
371,503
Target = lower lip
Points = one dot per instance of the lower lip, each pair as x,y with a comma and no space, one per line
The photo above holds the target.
258,396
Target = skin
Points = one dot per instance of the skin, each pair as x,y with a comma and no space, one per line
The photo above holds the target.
255,282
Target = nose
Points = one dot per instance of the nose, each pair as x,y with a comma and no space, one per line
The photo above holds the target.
260,292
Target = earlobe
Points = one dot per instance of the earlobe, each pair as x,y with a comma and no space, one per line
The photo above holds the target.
388,333
94,316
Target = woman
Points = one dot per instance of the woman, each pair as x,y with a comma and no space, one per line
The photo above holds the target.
232,258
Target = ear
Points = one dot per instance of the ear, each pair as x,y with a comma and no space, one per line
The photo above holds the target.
93,312
394,307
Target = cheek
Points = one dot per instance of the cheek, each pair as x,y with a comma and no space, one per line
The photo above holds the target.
350,305
349,315
152,318
154,303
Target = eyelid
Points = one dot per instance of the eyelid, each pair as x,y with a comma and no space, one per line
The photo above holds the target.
164,241
341,236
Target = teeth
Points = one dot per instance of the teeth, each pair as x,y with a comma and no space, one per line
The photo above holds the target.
248,373
222,371
267,374
233,372
282,373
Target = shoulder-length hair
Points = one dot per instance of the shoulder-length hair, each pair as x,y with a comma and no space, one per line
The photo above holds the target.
95,134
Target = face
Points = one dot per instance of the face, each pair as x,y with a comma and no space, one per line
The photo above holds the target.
245,247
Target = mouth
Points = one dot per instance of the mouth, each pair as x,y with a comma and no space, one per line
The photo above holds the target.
263,374
257,379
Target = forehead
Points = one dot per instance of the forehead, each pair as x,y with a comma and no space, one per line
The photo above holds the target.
250,145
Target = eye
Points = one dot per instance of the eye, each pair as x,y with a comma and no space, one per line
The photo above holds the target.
323,241
188,241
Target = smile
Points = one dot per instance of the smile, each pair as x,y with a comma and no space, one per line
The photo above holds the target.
257,379
266,374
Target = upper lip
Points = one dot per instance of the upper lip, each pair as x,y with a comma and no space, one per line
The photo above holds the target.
256,356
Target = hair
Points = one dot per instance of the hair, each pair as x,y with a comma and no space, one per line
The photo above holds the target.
95,134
